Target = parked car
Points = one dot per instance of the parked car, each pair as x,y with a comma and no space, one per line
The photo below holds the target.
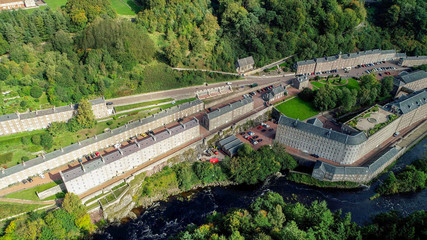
270,130
109,103
41,176
247,136
251,133
259,127
259,140
242,133
24,181
255,137
263,130
314,155
30,180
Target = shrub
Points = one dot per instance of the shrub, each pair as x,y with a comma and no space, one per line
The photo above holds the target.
23,104
109,122
35,139
36,92
25,140
46,140
25,158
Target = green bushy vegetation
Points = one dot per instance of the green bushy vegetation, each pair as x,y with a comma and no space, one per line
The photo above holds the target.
249,167
413,178
9,209
269,217
353,95
69,222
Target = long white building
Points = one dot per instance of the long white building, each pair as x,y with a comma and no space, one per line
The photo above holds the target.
72,152
99,170
40,119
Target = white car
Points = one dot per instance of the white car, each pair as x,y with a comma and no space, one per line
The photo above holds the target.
229,83
256,142
41,176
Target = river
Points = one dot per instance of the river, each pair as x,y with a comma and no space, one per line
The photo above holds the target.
166,218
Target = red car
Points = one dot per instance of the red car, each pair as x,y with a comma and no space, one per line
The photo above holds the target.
259,127
214,160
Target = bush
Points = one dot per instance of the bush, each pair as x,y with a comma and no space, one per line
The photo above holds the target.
25,158
46,140
25,140
110,122
36,92
23,104
35,139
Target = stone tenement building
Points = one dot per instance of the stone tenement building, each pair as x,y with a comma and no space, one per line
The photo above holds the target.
99,170
413,61
343,148
275,94
410,82
227,113
342,61
245,64
72,152
300,82
15,4
325,171
20,122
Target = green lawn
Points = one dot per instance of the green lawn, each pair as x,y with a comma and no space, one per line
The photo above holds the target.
142,104
352,84
10,209
123,9
54,4
30,194
317,84
297,108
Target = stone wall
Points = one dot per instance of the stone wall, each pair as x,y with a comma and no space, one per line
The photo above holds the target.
51,191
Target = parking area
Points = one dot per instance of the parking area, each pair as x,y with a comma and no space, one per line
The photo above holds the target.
261,135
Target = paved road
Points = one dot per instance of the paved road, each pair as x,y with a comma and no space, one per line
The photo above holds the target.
188,92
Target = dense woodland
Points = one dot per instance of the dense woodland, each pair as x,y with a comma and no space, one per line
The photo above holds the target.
69,222
413,178
269,217
84,49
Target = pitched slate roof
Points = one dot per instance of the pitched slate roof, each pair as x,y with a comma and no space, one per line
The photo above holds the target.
388,51
8,117
305,62
413,76
416,57
226,140
101,161
228,108
408,103
316,122
98,138
353,139
302,78
273,92
245,61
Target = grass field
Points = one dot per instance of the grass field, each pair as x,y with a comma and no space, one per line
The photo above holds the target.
10,209
297,108
123,9
142,104
30,194
352,84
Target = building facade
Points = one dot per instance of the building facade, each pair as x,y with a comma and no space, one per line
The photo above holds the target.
300,82
325,171
77,150
413,61
17,122
413,81
245,64
15,4
227,113
275,94
99,170
342,61
310,137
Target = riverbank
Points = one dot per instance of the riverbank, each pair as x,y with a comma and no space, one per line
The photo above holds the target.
307,179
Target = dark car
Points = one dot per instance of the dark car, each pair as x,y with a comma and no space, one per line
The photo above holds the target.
24,181
30,180
109,103
255,137
242,133
314,155
263,130
270,130
259,140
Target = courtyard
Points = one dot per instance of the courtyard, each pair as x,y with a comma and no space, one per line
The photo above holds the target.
297,108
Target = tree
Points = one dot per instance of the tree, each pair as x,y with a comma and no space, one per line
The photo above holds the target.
57,128
73,205
46,140
4,73
23,104
386,86
35,139
85,117
36,92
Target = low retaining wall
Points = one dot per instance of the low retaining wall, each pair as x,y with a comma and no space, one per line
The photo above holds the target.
51,191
